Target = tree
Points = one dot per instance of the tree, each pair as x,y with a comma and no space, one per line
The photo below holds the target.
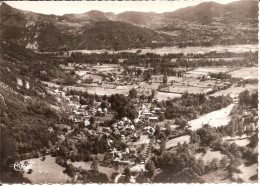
165,78
94,165
150,169
161,117
92,120
157,131
127,174
132,93
168,129
162,147
240,129
70,170
139,72
104,104
30,171
223,162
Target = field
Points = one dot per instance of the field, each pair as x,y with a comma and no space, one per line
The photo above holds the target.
215,118
174,49
245,73
165,95
46,170
190,89
102,90
218,176
174,142
234,91
87,166
209,156
86,75
240,141
206,70
247,172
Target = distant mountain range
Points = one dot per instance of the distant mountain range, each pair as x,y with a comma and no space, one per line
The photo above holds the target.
99,30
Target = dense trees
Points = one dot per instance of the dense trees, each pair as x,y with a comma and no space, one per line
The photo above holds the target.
150,169
132,93
192,105
121,104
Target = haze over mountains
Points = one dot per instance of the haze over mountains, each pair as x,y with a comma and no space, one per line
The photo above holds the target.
99,30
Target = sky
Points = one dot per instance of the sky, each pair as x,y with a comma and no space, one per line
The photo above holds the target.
66,7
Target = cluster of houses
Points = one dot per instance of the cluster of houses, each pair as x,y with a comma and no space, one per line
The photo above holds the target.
149,115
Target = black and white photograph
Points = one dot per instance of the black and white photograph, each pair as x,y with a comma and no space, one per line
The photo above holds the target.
129,92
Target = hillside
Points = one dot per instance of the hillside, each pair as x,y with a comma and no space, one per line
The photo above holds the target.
207,10
91,30
26,111
117,35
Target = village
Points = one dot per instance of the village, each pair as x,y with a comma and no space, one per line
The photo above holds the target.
137,134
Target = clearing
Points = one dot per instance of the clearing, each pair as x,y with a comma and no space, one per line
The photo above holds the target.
247,172
234,91
174,142
215,119
209,156
46,170
245,73
240,141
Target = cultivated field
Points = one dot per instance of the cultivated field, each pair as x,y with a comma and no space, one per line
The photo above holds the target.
179,89
165,95
46,170
105,89
215,118
174,142
234,91
245,73
206,70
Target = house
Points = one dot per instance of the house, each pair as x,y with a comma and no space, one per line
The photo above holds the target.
86,123
153,119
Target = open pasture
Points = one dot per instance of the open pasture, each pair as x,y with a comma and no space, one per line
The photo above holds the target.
105,89
46,170
247,172
240,141
174,142
245,73
165,95
215,118
179,89
206,70
234,91
210,155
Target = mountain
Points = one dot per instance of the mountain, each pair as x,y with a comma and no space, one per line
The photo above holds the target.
223,24
91,16
207,10
117,35
91,30
139,18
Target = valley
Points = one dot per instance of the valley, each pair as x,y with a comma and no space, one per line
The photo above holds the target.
132,97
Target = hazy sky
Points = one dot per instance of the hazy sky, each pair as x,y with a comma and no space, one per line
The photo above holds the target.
65,7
